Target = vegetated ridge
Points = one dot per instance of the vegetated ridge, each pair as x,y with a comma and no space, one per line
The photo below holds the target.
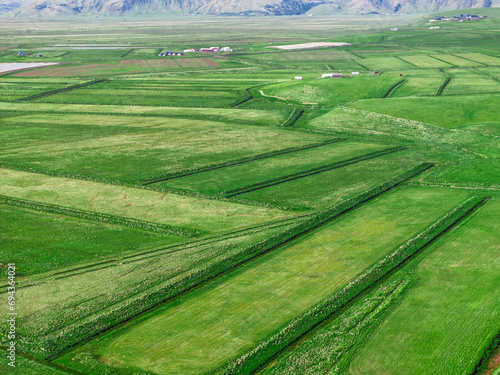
48,8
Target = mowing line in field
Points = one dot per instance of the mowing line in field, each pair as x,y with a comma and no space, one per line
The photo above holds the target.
260,354
97,216
58,91
294,176
210,167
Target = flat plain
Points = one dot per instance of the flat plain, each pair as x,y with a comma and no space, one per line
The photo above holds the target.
235,212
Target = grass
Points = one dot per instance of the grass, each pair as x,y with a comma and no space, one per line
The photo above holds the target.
268,117
134,148
481,58
424,61
229,178
418,86
330,92
447,112
466,82
38,242
385,63
449,317
164,208
455,60
327,188
346,246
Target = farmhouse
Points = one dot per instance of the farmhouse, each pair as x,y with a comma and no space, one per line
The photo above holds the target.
211,49
331,75
355,73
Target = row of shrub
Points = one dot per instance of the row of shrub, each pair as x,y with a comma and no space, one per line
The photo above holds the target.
58,91
101,217
73,331
294,176
294,116
331,347
264,155
297,327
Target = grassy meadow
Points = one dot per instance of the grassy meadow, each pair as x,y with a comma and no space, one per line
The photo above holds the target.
233,213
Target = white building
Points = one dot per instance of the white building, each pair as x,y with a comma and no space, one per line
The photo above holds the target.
355,73
298,78
226,49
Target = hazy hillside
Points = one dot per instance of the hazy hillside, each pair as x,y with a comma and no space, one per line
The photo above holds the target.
50,8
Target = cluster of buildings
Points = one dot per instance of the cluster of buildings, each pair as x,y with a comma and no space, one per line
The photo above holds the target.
458,17
206,49
21,53
338,75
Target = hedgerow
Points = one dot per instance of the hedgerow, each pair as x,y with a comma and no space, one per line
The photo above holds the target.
262,352
135,300
98,216
324,168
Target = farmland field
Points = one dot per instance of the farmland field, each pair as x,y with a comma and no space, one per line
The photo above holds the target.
239,212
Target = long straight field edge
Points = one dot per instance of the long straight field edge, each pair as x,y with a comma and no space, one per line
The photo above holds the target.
212,191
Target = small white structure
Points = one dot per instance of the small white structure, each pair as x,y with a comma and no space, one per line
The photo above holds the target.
434,28
394,29
226,49
189,50
355,73
298,78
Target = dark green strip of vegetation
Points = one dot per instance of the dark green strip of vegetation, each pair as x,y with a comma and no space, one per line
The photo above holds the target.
294,176
394,88
187,172
486,355
443,86
267,348
58,91
294,116
101,217
60,341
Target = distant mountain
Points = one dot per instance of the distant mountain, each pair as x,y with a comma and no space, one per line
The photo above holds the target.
50,8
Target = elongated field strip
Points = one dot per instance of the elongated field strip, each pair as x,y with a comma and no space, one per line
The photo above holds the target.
435,330
224,319
177,210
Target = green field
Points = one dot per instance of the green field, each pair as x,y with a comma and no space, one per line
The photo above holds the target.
449,316
277,287
234,213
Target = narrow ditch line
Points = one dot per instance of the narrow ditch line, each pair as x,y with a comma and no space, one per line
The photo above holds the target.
58,91
298,175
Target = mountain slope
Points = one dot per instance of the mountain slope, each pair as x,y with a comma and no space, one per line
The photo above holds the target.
50,8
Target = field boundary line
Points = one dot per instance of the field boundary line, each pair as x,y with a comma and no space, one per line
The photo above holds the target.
394,87
100,217
324,168
58,91
446,62
261,353
443,85
293,118
466,58
66,338
265,155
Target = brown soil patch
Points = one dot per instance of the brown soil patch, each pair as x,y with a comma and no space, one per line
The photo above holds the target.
210,62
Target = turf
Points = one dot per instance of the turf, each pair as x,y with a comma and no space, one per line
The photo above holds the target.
173,209
60,241
236,320
448,318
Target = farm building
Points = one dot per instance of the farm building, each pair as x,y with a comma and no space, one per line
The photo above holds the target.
298,78
211,49
226,49
355,73
190,50
331,75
